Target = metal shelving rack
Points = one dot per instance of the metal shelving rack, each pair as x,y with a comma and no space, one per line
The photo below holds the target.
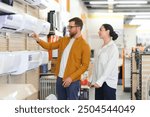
140,78
134,78
145,76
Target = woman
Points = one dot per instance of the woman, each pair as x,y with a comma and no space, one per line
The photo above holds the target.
105,72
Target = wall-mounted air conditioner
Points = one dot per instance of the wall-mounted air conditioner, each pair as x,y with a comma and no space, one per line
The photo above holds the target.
42,4
23,23
44,57
34,59
8,62
43,27
8,2
11,23
27,60
30,24
22,64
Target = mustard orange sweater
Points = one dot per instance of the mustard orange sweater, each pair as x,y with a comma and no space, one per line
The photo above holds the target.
79,56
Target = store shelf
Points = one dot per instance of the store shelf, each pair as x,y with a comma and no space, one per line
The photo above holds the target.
134,78
140,80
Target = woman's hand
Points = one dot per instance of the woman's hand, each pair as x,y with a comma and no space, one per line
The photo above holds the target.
96,85
90,85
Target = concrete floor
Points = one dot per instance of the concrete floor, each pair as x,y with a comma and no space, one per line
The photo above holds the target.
120,94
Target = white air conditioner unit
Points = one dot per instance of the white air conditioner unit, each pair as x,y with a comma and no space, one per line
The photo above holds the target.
44,27
31,1
22,64
42,4
8,62
11,23
30,24
34,59
44,57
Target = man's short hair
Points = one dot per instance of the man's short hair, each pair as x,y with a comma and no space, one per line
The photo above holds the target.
78,22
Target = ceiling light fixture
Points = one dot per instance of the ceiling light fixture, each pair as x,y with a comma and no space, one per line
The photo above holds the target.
127,5
118,2
139,22
142,16
97,5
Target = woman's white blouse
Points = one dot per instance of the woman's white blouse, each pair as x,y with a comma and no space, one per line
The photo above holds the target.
106,66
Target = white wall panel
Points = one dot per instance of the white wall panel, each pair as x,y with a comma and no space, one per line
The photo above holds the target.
97,19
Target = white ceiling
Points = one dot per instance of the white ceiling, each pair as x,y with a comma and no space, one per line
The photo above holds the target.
131,8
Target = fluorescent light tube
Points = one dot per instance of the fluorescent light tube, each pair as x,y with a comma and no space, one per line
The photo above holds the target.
139,22
118,2
127,5
142,16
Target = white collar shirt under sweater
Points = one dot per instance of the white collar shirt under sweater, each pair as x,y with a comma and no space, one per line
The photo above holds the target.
106,66
64,58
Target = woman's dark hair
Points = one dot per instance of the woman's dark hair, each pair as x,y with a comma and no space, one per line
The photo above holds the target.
113,34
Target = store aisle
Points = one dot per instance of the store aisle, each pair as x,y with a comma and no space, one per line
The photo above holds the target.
120,94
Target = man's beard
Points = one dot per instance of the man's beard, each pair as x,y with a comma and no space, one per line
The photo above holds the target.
72,34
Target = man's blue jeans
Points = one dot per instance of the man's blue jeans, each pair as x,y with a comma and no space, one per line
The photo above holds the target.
70,93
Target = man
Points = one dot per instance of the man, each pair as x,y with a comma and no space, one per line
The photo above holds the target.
73,60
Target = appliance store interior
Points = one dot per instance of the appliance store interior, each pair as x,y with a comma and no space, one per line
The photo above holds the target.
27,71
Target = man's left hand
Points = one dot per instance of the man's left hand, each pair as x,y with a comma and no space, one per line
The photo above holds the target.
67,82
